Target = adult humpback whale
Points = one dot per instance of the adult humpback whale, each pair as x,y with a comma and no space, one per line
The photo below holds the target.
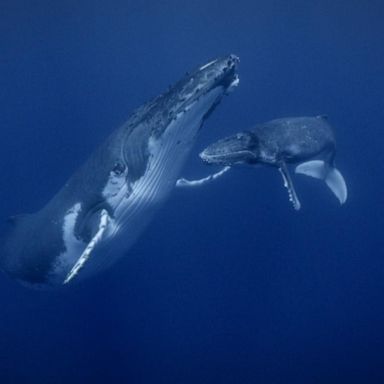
105,205
308,141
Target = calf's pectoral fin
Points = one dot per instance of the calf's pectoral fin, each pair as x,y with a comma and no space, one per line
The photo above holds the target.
103,224
196,183
323,171
289,185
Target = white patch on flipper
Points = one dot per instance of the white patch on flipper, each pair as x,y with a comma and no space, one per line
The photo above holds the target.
332,177
73,246
90,247
196,183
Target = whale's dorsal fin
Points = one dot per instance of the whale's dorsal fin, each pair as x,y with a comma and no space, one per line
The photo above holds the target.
289,185
323,171
104,217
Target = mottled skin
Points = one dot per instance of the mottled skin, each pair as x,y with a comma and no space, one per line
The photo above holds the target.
287,140
276,143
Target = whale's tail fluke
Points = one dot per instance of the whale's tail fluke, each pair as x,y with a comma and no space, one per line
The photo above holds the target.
332,177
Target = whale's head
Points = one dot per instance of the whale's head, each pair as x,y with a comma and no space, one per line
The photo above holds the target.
217,75
194,97
241,148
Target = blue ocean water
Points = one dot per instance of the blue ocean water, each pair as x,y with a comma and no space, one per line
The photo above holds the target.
228,284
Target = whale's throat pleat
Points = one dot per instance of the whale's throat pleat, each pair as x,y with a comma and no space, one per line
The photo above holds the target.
167,154
132,202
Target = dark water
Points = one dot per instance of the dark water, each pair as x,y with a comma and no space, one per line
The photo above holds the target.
229,284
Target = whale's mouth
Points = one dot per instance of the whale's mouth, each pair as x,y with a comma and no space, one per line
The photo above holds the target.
237,149
228,159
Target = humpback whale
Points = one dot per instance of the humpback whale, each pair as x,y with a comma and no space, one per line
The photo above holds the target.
106,204
306,141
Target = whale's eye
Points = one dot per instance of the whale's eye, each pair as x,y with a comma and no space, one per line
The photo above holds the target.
247,140
118,168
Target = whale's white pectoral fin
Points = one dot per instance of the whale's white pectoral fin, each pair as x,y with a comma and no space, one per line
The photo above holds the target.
332,177
90,247
289,185
197,183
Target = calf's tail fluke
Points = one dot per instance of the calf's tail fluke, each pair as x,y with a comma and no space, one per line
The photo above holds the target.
331,176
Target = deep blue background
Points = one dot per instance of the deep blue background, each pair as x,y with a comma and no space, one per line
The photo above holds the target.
229,284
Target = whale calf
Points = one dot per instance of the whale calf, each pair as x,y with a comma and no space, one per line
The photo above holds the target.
105,205
306,141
